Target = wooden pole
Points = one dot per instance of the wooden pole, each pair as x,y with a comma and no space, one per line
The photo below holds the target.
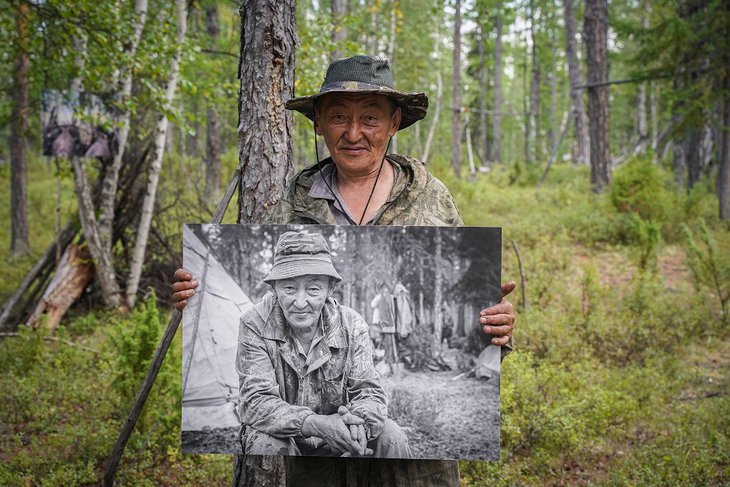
149,380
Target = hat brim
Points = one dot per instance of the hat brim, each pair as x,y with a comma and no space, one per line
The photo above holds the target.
301,267
413,105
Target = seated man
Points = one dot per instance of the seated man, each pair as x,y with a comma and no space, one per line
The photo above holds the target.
307,381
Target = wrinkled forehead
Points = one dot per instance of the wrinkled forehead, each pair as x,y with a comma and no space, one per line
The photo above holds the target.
361,100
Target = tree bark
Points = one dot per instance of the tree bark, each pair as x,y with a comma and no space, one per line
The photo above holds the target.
595,31
456,101
534,91
496,118
148,205
266,71
111,177
483,136
268,38
73,274
723,177
438,294
339,32
19,244
213,135
391,56
576,95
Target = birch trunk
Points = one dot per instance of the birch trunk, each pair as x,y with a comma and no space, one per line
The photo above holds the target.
437,105
497,117
111,177
339,33
595,28
148,205
576,95
456,100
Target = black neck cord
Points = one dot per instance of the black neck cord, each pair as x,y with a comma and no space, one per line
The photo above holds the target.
319,167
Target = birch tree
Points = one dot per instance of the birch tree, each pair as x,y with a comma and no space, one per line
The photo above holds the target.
456,100
148,205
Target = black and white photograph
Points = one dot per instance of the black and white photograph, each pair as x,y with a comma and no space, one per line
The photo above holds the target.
357,341
78,124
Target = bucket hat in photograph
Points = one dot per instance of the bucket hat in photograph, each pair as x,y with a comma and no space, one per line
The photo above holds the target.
301,254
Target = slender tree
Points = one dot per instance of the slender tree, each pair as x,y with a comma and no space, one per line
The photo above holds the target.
213,131
595,32
582,141
456,100
148,205
18,128
497,117
339,32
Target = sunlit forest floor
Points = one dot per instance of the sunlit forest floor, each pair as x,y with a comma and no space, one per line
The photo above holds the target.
620,375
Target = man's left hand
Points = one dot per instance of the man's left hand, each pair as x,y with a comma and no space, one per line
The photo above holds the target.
499,320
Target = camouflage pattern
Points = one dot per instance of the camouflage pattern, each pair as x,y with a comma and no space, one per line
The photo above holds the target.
417,198
279,388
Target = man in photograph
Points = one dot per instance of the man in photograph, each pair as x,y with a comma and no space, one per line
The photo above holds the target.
307,381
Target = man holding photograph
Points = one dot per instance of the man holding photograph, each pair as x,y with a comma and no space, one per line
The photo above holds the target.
357,111
307,381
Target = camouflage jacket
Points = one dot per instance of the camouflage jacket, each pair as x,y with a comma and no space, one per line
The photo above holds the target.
417,198
278,390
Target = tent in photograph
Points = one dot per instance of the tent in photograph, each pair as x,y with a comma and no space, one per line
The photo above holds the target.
210,335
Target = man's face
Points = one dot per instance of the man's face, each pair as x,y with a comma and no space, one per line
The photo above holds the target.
356,129
302,299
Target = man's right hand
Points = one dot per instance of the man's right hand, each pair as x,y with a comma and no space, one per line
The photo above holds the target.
335,430
183,288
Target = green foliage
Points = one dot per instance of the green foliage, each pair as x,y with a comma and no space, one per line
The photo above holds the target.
640,188
710,267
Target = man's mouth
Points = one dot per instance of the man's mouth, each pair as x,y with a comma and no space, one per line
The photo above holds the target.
354,150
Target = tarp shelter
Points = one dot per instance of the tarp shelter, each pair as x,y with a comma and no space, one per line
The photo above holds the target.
210,336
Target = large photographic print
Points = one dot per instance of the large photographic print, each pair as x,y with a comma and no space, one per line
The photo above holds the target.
341,341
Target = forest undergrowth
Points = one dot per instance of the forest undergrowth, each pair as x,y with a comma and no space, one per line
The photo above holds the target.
620,375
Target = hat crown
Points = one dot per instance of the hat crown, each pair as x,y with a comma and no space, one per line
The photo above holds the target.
291,244
361,69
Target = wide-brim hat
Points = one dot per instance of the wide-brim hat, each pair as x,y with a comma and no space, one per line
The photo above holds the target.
301,254
364,74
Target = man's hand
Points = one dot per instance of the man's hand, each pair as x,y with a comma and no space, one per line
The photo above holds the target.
335,430
183,288
357,431
499,319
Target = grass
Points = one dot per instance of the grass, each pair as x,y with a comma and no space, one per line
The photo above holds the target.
620,376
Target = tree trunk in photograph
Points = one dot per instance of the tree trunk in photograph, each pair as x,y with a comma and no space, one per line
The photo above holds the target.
595,32
484,146
266,71
111,176
497,117
268,38
456,100
437,294
576,95
339,33
148,205
18,130
534,90
213,136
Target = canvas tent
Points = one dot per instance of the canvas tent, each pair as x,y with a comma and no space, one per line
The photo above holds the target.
210,335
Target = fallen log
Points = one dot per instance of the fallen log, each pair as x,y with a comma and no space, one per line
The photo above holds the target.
73,274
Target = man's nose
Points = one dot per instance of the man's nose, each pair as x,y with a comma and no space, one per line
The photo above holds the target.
300,300
354,130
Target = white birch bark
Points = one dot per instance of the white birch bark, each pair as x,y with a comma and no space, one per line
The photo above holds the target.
148,204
